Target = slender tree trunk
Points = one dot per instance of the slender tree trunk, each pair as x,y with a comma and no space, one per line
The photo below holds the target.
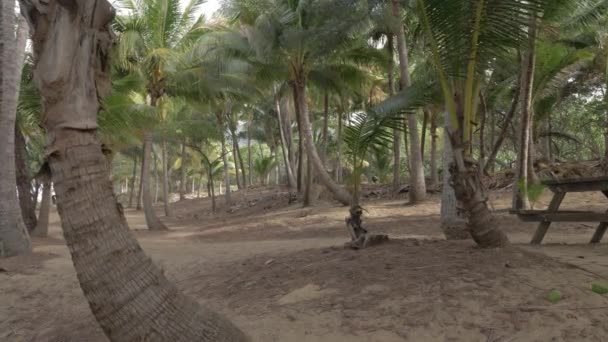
152,220
140,198
325,128
37,186
339,193
390,45
182,184
226,169
482,127
166,196
24,182
308,191
520,189
156,182
132,194
291,181
453,224
489,164
14,238
249,160
240,161
129,296
425,122
42,226
300,154
434,136
236,163
417,182
338,175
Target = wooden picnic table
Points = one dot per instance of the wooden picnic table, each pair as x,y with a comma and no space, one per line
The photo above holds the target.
552,214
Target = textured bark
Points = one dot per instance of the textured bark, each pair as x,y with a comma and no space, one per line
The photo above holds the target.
133,178
339,193
417,191
42,226
183,180
453,222
165,161
227,197
325,131
14,238
434,136
425,122
482,127
520,189
298,109
152,220
24,182
129,296
291,181
308,191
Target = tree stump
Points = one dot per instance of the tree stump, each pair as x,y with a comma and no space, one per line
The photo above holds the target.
360,237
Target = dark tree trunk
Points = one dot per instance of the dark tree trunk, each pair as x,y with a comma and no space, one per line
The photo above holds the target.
24,182
151,219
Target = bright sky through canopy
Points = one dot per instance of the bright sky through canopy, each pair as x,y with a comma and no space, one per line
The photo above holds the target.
210,7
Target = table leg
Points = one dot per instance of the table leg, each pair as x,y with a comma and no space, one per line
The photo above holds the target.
599,232
558,197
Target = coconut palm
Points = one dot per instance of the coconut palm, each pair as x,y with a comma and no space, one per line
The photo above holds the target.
129,305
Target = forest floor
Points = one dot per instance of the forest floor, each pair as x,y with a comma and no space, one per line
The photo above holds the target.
279,271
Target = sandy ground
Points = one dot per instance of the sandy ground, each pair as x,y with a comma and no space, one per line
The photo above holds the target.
279,272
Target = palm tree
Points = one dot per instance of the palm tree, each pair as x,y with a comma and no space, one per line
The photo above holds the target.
149,48
263,166
463,41
130,296
14,238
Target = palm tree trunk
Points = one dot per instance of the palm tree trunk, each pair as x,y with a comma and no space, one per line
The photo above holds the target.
236,157
434,171
156,182
308,191
237,148
249,160
226,170
325,128
417,182
42,226
14,238
129,296
24,182
339,193
291,181
152,220
482,127
396,134
425,122
131,195
140,198
182,184
338,175
520,190
166,197
453,224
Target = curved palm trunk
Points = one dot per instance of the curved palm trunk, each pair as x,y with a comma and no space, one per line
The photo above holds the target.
166,197
182,184
27,203
151,219
130,297
417,182
42,227
14,238
291,181
339,193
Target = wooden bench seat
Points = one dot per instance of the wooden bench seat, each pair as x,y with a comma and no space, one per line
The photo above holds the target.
560,216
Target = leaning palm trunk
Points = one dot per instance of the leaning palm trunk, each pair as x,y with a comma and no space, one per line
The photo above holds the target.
27,203
14,238
417,182
42,226
339,193
130,297
151,219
